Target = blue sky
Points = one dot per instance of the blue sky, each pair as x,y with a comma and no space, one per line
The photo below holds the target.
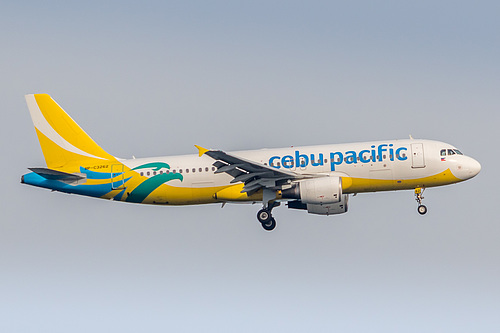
158,77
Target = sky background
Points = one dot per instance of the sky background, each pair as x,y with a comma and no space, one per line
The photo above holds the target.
156,77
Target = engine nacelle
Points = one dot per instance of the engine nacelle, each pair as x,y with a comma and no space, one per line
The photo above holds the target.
330,209
316,191
326,209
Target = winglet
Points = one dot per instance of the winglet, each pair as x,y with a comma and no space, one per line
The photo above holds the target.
201,150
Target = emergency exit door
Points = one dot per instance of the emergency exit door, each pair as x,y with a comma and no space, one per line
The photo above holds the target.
117,181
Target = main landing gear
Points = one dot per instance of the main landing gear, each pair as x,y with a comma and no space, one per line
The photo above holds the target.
419,197
266,218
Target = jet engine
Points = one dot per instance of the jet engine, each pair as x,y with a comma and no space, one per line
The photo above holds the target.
322,196
316,191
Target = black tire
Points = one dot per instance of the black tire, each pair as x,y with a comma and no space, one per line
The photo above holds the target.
422,209
269,226
264,216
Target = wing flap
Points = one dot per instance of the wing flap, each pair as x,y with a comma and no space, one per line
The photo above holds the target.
254,175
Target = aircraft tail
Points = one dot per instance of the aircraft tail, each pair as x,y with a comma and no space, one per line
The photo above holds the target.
64,144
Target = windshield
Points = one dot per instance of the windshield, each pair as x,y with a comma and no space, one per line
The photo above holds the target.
450,152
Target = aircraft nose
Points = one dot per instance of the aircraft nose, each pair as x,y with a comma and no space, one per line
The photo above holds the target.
474,167
470,168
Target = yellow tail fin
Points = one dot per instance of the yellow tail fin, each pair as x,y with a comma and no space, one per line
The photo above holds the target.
64,144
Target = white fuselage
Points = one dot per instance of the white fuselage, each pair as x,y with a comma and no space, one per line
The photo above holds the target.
372,166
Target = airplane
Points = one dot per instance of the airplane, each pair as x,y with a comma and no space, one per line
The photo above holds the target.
317,179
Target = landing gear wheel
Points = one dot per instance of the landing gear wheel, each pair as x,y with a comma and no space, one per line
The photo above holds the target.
270,225
264,216
422,209
419,197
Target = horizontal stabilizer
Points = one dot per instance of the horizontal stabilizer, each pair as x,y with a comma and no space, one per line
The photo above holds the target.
58,175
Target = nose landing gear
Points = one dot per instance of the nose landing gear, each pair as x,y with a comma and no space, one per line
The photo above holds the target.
422,209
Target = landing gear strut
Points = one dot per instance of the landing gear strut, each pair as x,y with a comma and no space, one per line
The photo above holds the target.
419,197
266,218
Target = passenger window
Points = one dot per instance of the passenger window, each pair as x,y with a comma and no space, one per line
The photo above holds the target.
443,152
187,170
161,171
148,173
194,170
213,168
326,160
200,169
173,171
142,173
168,171
154,173
451,152
206,169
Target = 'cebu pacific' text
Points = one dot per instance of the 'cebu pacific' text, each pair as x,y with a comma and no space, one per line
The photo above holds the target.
375,154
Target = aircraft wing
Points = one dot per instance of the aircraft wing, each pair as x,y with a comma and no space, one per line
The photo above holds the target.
254,175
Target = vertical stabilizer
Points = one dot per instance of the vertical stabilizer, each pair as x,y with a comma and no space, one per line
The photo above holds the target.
64,143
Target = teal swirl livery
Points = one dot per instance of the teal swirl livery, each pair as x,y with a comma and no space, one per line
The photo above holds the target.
145,188
315,179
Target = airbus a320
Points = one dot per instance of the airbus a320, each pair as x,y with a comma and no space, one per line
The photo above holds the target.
316,179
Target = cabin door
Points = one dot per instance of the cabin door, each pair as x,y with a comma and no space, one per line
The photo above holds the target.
417,155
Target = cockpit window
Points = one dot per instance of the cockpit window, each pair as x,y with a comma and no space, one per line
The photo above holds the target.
449,152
